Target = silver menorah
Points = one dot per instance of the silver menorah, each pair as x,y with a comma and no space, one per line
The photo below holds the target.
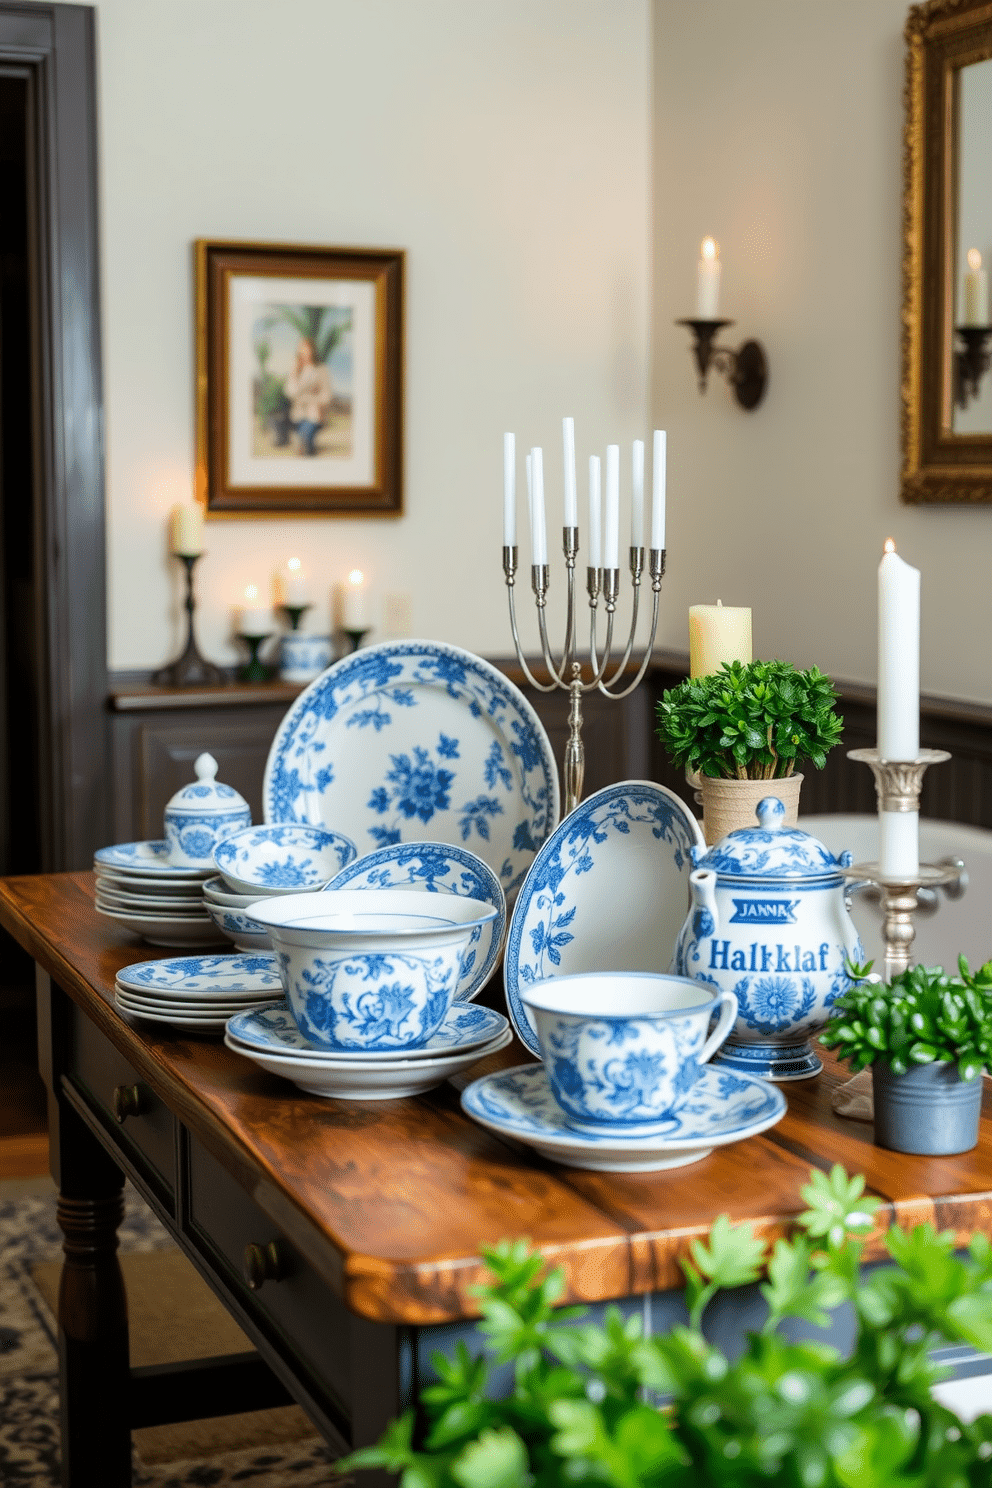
602,581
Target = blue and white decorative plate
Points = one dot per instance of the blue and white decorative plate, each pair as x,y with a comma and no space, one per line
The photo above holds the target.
417,741
724,1108
608,891
186,976
439,868
273,1031
283,858
146,859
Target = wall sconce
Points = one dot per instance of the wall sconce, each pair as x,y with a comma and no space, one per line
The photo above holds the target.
746,368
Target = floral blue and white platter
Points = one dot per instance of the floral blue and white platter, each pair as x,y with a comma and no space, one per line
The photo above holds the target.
189,976
145,859
725,1108
272,1030
282,858
352,1081
415,741
164,930
439,868
608,891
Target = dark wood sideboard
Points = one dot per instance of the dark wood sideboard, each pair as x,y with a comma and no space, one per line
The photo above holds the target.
157,732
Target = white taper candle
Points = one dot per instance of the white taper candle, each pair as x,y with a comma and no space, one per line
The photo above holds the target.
538,528
509,490
611,546
571,495
898,657
595,514
659,476
637,495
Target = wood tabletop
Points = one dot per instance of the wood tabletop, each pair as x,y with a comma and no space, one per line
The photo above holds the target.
390,1200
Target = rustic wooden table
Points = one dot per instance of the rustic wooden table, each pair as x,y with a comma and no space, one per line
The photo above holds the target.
368,1216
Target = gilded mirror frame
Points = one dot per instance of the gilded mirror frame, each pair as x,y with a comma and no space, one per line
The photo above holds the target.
938,465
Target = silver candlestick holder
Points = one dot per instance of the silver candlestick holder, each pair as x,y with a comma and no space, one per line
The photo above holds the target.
566,675
898,784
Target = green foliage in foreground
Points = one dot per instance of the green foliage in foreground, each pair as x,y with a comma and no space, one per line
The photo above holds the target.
754,722
793,1415
920,1017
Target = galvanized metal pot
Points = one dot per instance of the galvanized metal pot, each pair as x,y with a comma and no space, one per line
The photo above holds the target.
928,1110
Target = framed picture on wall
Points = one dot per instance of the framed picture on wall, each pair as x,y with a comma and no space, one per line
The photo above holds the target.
299,379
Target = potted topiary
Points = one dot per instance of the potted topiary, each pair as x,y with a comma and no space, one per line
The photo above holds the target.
581,1404
744,727
927,1038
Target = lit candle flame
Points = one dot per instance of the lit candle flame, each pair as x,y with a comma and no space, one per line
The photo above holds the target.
974,260
251,591
356,577
890,545
709,248
294,564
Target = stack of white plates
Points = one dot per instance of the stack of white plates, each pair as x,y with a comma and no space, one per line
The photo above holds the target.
270,1038
137,885
197,993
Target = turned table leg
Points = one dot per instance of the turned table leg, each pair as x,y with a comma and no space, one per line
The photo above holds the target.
93,1339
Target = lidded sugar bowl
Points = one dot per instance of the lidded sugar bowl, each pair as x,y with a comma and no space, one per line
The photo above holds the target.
201,815
769,922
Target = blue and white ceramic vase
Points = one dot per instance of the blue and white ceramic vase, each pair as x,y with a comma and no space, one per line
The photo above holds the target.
769,922
302,658
201,815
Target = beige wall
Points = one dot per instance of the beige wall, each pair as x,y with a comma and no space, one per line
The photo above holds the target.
778,129
505,145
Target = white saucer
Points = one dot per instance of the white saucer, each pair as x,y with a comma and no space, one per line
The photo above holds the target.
724,1108
164,930
350,1080
189,1022
271,1030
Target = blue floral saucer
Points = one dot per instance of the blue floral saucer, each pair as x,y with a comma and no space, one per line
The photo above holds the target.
146,860
183,976
439,868
273,1031
724,1108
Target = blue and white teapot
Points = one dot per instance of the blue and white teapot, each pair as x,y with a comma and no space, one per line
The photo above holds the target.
769,923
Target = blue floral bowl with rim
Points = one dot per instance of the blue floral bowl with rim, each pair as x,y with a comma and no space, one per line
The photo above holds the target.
246,933
624,1050
370,968
282,858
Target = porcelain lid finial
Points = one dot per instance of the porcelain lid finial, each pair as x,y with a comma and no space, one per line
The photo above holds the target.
770,813
206,767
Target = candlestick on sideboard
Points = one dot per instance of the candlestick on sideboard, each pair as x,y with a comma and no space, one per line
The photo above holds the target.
190,669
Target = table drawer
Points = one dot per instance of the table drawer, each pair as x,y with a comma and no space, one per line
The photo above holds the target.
297,1312
142,1127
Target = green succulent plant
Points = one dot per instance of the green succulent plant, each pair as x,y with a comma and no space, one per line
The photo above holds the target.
920,1017
584,1405
750,722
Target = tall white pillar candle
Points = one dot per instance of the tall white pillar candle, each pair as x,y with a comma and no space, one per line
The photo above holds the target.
571,494
708,280
637,495
718,633
538,527
611,546
509,490
976,291
355,602
253,617
898,657
658,488
595,514
186,530
290,584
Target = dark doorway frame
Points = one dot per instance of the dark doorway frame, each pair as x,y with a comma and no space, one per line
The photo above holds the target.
53,47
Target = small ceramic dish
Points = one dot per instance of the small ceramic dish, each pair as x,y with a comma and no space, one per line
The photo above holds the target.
246,933
165,930
216,891
287,858
371,968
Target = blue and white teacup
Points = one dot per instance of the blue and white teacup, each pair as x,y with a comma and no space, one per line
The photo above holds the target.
624,1050
303,657
370,968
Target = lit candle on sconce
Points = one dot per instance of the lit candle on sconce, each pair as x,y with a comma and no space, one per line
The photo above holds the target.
355,602
976,291
708,280
252,617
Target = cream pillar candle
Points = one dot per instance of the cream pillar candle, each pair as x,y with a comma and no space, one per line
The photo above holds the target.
976,291
898,657
718,633
252,617
186,530
290,585
355,602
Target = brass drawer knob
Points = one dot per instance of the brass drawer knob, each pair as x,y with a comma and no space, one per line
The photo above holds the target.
130,1100
263,1263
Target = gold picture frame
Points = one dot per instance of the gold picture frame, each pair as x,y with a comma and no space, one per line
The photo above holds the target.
299,379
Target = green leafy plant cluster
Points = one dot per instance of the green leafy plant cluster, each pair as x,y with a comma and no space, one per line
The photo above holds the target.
753,722
920,1017
584,1402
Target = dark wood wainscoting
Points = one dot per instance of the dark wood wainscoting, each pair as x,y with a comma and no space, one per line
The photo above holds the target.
158,732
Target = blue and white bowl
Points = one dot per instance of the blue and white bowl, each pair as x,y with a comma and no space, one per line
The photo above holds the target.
285,858
202,814
625,1050
303,657
246,933
370,968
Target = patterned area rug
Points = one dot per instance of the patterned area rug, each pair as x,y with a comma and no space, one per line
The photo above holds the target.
29,1427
